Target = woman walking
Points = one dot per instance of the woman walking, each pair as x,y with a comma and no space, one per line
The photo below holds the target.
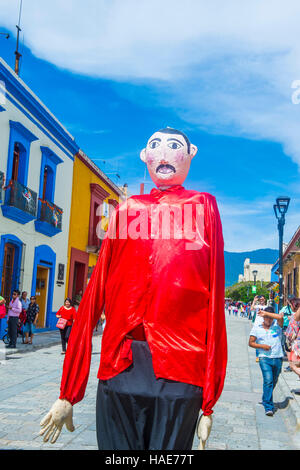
67,313
32,315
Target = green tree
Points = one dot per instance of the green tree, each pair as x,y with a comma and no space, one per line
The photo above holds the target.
242,291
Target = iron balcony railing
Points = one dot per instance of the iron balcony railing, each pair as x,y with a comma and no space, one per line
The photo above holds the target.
20,196
50,213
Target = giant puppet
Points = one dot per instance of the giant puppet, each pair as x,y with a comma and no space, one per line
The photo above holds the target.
164,348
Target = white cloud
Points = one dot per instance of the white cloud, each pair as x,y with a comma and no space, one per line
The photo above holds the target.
228,66
252,225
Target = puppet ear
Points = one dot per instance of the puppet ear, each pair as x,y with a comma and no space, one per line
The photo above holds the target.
193,150
143,155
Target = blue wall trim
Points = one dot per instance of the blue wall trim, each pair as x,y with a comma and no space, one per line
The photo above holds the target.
1,108
41,128
17,89
44,253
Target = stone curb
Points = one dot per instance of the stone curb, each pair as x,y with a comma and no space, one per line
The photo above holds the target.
9,352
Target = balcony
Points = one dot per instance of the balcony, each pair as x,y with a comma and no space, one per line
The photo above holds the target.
1,186
96,236
49,221
19,203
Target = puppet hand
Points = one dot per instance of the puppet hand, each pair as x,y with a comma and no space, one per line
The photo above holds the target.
203,430
61,413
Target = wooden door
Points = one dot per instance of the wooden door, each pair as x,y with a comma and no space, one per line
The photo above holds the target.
41,294
8,272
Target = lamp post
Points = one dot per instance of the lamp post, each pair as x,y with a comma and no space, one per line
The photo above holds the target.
254,275
280,209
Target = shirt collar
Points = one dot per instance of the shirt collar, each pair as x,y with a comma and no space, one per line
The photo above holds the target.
160,192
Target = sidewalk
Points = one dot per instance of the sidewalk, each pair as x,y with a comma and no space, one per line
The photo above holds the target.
41,340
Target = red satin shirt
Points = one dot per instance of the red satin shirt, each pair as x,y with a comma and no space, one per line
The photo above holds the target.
176,293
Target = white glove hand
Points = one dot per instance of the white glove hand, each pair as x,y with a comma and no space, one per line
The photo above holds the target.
203,430
61,413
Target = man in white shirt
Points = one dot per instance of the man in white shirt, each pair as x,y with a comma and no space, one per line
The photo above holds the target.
266,339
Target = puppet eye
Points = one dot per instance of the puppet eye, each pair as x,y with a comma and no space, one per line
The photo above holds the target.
154,144
175,145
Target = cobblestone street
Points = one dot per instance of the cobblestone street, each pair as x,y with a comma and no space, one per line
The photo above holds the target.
29,384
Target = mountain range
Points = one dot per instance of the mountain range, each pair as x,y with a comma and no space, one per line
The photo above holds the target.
234,262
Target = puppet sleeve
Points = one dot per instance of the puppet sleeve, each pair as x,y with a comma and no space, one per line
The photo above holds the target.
78,356
216,358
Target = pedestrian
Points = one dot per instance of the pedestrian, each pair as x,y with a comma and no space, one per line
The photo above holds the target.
77,299
241,310
24,301
2,310
67,312
32,315
266,339
14,310
235,309
287,311
258,304
292,334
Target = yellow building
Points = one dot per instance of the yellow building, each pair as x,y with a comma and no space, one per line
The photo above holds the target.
94,196
291,264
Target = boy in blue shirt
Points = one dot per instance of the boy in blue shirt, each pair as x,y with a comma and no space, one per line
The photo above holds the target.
266,339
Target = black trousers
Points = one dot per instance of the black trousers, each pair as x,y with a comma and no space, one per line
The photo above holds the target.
12,330
64,334
136,411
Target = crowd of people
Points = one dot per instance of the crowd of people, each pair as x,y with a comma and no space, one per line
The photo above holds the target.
22,316
274,336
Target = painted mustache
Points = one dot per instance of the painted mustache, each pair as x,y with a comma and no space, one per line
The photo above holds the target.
165,169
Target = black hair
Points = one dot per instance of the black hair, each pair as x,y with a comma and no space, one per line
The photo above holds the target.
68,298
170,130
16,291
269,309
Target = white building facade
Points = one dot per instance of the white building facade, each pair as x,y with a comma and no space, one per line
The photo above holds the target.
263,272
36,170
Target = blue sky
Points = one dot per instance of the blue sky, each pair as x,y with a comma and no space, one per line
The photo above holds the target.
114,74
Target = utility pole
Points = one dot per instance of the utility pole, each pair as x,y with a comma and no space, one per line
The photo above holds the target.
17,53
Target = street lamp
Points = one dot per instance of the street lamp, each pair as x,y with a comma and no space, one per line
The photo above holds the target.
280,209
254,275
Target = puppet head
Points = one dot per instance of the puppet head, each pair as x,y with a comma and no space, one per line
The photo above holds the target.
168,157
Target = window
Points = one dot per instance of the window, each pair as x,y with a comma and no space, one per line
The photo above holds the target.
295,281
289,284
98,194
20,140
48,174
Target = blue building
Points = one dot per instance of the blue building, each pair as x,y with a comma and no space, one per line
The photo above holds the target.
36,170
